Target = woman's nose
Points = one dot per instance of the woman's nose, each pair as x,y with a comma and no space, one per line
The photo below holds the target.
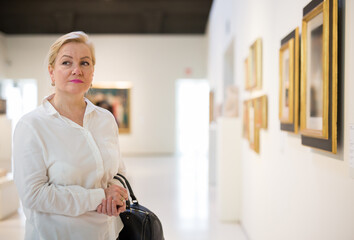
77,71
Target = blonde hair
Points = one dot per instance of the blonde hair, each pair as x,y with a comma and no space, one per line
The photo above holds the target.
79,37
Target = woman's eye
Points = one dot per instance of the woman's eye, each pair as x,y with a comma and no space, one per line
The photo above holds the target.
85,63
66,63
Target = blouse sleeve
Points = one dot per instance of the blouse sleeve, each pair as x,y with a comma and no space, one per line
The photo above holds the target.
121,165
30,176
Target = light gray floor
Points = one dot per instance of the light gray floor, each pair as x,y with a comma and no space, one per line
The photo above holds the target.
176,189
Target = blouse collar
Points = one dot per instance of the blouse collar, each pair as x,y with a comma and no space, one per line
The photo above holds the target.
49,109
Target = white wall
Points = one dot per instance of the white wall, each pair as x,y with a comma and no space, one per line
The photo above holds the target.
289,191
5,143
2,56
151,63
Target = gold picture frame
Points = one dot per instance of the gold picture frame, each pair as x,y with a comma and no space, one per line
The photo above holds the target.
115,97
289,82
255,118
253,131
254,63
319,76
261,112
245,129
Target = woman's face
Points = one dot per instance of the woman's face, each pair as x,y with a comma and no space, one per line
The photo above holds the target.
73,69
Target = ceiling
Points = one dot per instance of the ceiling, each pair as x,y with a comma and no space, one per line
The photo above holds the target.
104,16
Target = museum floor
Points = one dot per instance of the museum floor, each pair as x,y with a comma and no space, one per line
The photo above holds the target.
176,189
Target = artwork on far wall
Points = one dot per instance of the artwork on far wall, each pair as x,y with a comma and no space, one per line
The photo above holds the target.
261,111
319,78
289,82
245,128
116,99
254,64
252,128
231,105
255,114
2,106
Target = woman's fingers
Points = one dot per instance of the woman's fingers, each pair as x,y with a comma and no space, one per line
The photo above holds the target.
123,192
121,208
114,204
99,208
109,206
104,206
114,208
116,192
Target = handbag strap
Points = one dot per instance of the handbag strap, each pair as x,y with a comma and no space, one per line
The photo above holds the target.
134,199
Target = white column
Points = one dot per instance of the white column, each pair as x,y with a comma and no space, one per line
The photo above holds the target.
228,152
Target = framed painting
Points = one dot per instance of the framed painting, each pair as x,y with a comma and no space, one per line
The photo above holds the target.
289,82
114,98
255,114
319,77
2,106
261,112
245,128
253,131
254,64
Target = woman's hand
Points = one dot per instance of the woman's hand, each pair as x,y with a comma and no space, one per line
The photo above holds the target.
110,207
118,193
114,204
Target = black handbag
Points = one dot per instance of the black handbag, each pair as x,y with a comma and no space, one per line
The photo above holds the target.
139,222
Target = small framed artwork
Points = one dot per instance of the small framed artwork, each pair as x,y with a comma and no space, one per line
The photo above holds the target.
245,129
255,114
319,78
254,64
2,106
253,131
261,112
115,98
289,82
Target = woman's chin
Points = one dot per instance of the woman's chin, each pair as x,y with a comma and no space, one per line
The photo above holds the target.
76,90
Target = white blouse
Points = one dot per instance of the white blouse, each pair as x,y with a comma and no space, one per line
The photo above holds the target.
61,169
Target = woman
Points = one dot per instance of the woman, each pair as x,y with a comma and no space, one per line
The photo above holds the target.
66,153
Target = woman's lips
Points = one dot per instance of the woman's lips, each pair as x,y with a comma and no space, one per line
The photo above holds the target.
76,81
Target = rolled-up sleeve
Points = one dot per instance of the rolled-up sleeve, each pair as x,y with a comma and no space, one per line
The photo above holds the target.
31,179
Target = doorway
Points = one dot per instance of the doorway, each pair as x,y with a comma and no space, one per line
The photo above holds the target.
192,121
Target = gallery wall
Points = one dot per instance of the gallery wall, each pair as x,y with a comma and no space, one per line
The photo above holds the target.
2,56
152,64
289,191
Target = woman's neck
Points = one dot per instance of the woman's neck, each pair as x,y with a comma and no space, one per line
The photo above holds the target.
72,107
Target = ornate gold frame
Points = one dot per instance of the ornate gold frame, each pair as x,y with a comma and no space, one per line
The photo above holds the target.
263,114
255,144
288,46
290,42
260,115
325,139
245,130
321,8
256,47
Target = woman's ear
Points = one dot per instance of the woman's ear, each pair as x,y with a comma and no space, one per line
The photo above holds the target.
50,70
